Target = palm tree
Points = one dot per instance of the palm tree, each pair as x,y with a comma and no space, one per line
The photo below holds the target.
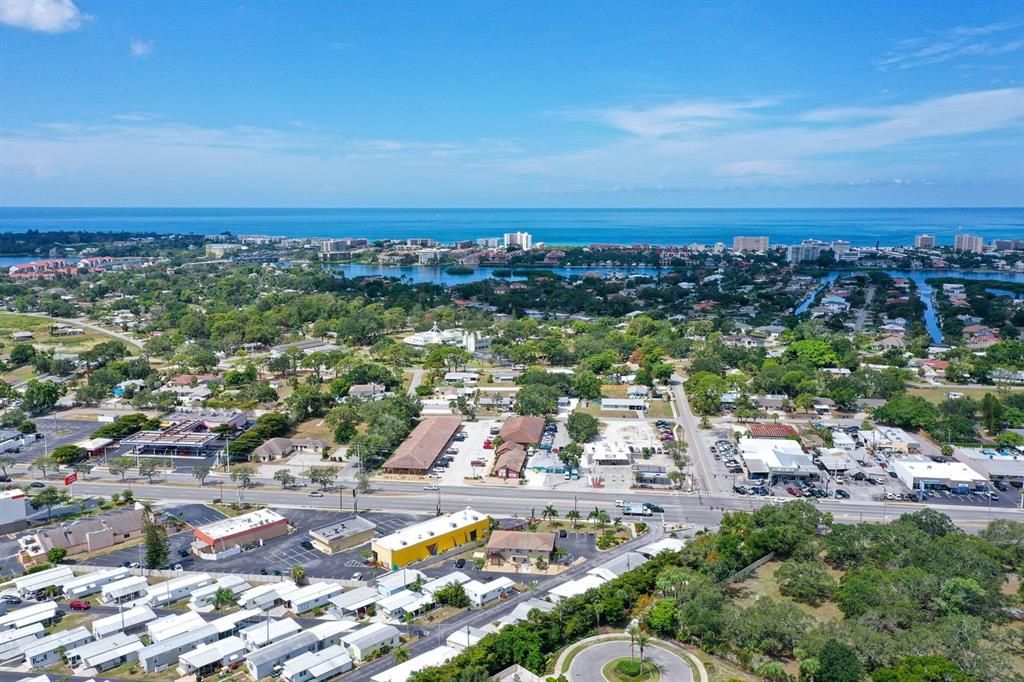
632,632
642,640
223,598
298,574
617,522
408,618
595,513
573,516
598,612
549,513
401,654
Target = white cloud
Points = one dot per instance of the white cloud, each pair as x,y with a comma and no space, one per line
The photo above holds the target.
45,16
676,117
956,43
141,48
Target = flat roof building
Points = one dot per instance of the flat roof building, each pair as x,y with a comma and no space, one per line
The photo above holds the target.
317,666
203,598
312,596
28,585
924,473
430,538
175,589
209,658
270,630
172,626
775,457
418,452
124,590
166,652
363,643
13,642
129,621
454,578
519,547
238,531
261,663
341,535
354,602
104,654
267,596
91,583
48,650
41,612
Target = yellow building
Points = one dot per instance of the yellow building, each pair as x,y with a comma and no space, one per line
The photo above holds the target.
430,538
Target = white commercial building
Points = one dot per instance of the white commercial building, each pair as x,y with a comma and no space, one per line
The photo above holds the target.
363,643
209,658
924,473
29,585
128,620
484,593
91,583
124,590
775,457
48,650
843,441
104,654
175,589
312,596
317,666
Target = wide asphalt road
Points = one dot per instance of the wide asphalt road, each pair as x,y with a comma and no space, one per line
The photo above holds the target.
587,665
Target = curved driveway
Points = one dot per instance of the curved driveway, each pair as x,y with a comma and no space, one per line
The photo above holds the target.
587,665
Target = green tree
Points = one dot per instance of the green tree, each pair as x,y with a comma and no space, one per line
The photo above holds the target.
991,413
323,476
839,663
243,474
40,396
120,466
573,516
549,513
923,669
6,461
49,497
83,468
298,574
586,385
536,399
452,594
156,549
55,555
284,477
582,427
908,412
805,581
224,598
43,465
148,468
200,472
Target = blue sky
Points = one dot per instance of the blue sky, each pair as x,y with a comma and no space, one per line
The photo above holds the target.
518,104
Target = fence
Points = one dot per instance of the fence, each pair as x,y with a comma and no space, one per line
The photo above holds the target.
745,572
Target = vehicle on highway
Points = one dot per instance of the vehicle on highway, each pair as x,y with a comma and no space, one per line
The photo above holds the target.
655,508
36,484
315,493
431,487
79,605
632,509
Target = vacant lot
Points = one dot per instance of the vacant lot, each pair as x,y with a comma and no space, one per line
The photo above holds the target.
938,394
763,583
40,328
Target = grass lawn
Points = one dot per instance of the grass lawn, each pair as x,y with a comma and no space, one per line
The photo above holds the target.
660,409
39,326
762,582
631,670
938,394
314,428
23,373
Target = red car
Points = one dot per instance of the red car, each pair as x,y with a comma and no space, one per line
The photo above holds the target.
79,605
795,492
488,445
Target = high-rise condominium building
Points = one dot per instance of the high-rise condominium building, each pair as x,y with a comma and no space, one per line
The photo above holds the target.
808,249
924,241
969,242
759,244
523,240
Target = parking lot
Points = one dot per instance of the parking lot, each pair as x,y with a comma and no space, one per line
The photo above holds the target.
55,432
278,554
469,450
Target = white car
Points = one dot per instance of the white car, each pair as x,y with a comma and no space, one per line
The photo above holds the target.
431,487
316,493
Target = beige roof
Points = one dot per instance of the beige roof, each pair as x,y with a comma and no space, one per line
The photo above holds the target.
524,541
511,456
275,447
77,532
523,430
424,444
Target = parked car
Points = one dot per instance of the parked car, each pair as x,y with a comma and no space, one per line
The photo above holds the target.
795,492
306,544
842,494
5,479
999,485
135,564
563,533
451,451
10,599
79,605
357,576
36,484
460,562
488,444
